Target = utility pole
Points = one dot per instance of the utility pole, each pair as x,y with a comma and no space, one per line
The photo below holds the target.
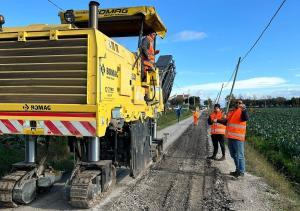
232,87
218,98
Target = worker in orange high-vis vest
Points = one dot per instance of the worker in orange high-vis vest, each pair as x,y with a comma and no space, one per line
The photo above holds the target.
236,132
196,115
148,53
217,132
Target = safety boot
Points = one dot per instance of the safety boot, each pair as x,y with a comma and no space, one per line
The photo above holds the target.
213,157
221,158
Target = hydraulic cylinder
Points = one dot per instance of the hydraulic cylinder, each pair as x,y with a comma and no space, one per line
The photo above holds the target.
93,149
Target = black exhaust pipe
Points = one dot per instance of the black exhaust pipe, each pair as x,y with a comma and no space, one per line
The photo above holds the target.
93,14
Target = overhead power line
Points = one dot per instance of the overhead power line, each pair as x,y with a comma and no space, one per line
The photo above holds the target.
55,5
257,40
265,29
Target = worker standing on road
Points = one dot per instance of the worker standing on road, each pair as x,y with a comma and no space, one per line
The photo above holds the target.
236,132
178,112
217,132
196,115
148,54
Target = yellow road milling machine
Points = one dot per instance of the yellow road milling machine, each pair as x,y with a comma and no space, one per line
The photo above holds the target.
73,81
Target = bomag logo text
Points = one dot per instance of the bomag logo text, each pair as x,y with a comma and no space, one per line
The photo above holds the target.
109,89
37,107
114,11
111,72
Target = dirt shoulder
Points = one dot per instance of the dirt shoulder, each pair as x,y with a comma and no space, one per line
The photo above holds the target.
249,192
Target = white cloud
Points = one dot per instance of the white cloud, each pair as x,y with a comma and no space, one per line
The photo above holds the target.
188,35
259,86
297,75
252,83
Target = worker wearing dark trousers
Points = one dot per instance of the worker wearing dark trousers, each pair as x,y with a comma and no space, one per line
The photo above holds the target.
217,132
178,112
236,123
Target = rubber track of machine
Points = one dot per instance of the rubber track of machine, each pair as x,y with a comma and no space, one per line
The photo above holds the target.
81,188
7,184
80,185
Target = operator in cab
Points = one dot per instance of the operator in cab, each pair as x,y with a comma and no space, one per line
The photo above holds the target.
148,54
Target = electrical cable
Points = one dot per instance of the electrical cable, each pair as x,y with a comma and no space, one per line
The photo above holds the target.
265,29
257,40
55,5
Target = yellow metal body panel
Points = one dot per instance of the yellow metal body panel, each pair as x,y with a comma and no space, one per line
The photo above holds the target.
36,131
139,93
151,18
37,27
112,82
51,108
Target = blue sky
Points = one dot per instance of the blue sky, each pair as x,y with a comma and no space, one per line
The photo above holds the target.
206,38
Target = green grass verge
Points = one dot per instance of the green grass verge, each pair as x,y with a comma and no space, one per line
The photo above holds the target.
9,155
14,151
281,160
260,166
170,118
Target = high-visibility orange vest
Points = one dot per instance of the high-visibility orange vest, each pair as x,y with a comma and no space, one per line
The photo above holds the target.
149,62
196,114
217,128
236,129
196,117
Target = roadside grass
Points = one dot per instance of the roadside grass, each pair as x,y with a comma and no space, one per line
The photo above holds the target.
59,156
8,156
14,151
260,166
170,118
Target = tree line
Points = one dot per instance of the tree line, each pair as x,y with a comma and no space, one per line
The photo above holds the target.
264,102
268,101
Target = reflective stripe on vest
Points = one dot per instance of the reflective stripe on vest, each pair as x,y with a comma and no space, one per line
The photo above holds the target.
237,125
217,128
219,131
236,129
234,135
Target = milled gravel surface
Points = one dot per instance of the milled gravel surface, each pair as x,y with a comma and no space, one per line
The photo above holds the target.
182,180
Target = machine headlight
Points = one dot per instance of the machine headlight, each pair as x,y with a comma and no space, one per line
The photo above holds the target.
69,16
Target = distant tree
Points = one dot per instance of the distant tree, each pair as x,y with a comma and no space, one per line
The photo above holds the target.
241,97
194,100
232,100
295,102
208,103
280,101
268,101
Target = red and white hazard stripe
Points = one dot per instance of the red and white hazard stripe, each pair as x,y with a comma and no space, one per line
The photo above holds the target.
70,128
51,127
11,126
